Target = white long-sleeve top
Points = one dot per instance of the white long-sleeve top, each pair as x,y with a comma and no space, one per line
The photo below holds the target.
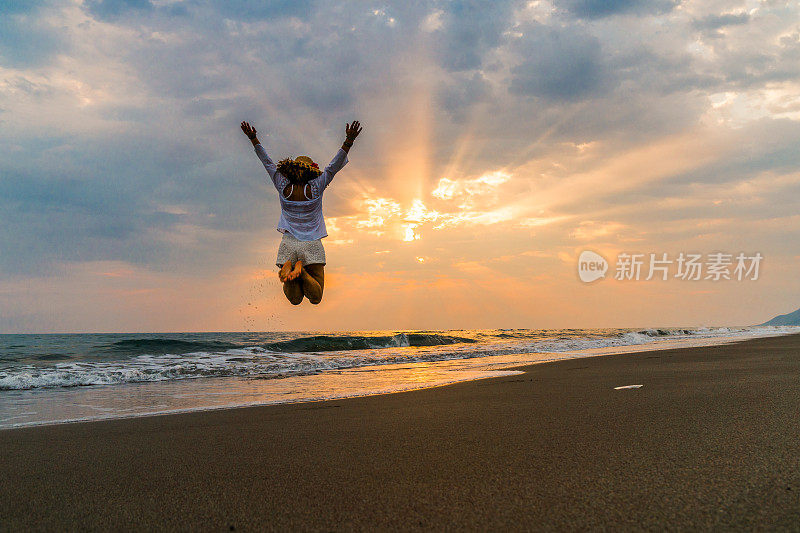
303,218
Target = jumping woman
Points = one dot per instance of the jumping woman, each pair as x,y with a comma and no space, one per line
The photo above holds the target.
300,184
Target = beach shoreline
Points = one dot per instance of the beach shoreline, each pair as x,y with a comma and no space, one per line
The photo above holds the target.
58,405
707,441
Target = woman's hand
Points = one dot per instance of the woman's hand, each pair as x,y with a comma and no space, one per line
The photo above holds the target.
250,131
351,131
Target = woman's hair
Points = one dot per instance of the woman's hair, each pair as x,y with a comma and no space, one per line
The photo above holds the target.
298,172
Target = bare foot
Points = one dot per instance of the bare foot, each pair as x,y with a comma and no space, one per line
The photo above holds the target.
298,269
283,275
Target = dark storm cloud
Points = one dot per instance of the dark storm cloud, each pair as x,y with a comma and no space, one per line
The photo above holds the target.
109,10
219,51
49,219
469,29
461,92
559,65
244,10
257,9
596,9
714,22
655,72
110,201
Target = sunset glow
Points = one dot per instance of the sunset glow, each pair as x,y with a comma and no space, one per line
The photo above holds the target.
493,153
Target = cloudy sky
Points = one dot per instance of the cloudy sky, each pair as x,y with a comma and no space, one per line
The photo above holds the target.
501,139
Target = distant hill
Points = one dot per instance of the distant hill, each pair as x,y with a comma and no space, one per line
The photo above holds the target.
790,319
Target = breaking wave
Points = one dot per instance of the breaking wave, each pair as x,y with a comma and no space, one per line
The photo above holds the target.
118,359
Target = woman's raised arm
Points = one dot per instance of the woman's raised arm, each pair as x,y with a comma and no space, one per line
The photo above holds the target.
266,160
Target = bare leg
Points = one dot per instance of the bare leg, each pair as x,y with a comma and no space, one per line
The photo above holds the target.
313,282
294,291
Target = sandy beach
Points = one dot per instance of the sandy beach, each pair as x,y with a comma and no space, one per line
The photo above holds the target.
708,441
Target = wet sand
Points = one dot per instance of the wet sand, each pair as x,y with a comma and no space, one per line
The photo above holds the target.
711,440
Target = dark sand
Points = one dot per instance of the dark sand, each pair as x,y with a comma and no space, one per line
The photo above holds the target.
712,440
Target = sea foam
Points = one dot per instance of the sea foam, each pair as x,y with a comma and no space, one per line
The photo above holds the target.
152,359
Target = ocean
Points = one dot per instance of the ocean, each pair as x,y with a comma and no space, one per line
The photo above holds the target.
57,378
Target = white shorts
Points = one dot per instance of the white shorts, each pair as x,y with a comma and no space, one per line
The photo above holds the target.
291,249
